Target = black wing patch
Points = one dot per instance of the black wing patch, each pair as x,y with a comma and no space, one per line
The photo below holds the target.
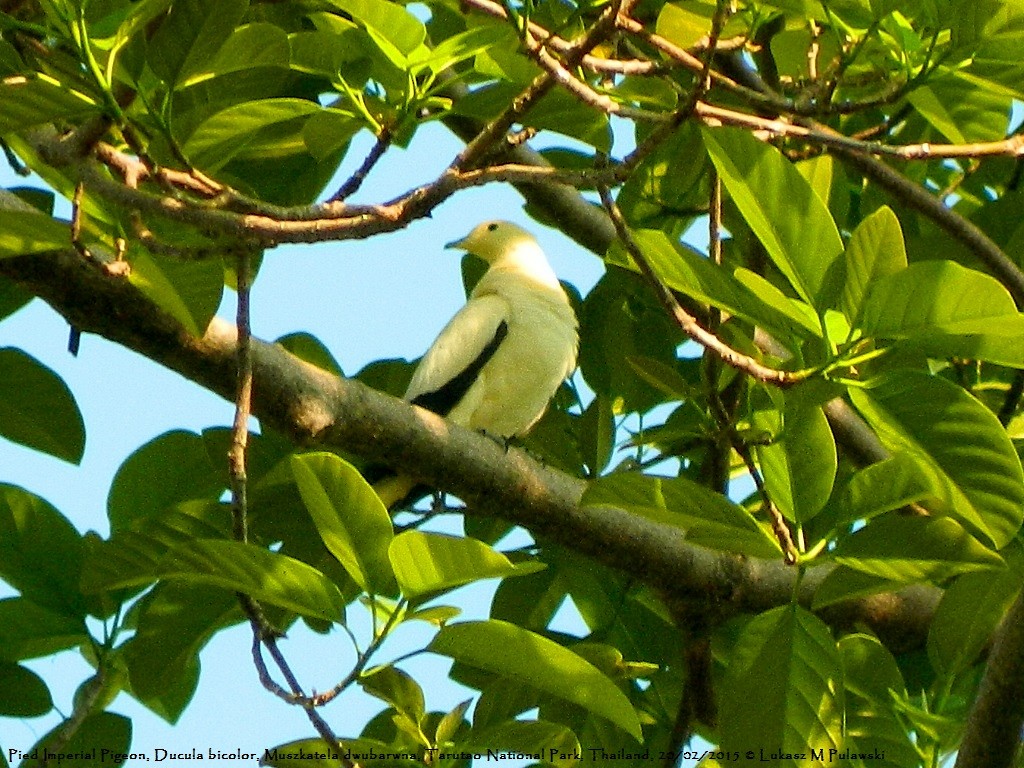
442,400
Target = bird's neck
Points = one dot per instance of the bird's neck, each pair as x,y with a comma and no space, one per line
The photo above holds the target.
526,259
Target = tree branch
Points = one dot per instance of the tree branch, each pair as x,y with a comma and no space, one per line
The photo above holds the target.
314,408
992,738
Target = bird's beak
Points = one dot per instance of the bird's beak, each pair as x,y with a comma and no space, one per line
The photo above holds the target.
456,243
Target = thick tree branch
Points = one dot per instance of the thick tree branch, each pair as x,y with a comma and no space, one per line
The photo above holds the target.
313,407
992,738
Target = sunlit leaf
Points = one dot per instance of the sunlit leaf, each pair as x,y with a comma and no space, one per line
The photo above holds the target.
902,548
875,250
533,660
778,204
706,517
970,611
965,455
430,562
783,688
350,517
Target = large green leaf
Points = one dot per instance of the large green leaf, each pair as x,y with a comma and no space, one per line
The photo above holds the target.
882,486
872,680
430,562
170,468
969,612
230,131
190,36
694,275
800,466
241,567
189,291
531,659
390,21
40,552
783,689
37,409
174,623
100,731
931,297
781,208
351,519
557,743
907,549
960,110
22,692
703,516
875,250
958,445
28,630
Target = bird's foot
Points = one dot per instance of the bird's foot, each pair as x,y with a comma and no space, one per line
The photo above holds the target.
501,440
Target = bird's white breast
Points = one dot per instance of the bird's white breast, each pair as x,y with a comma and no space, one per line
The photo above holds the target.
538,353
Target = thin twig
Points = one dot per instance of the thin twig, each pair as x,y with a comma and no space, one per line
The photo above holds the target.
355,181
687,322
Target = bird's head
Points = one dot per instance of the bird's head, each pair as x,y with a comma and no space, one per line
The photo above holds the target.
493,239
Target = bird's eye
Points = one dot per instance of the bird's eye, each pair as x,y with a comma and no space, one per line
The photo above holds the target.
492,226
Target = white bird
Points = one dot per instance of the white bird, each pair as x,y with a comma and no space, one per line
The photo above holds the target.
498,361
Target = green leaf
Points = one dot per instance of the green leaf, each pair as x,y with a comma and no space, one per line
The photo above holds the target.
103,730
781,208
22,692
459,47
267,576
28,630
875,250
242,567
27,101
844,583
694,275
970,611
872,681
554,741
531,659
12,296
174,623
37,409
190,36
960,110
883,486
190,292
170,468
937,297
431,562
907,549
351,519
597,432
131,557
390,21
24,232
800,466
783,688
41,553
965,455
251,45
307,347
706,517
241,126
397,688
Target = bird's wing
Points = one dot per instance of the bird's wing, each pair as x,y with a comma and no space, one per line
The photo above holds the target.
454,360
